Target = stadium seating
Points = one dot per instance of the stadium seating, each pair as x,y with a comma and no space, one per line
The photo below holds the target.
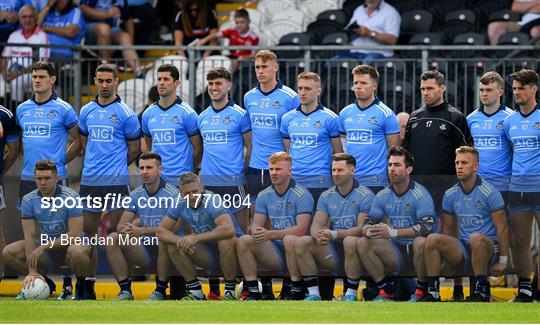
335,15
293,39
339,38
504,15
458,22
312,8
320,28
133,92
178,61
205,65
413,22
277,29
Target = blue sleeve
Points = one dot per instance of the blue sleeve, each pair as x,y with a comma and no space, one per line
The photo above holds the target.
322,204
27,209
144,122
495,201
341,125
376,213
448,203
284,127
245,123
132,128
190,123
75,212
261,205
305,203
215,207
333,127
71,118
506,124
10,128
83,128
391,125
174,211
366,203
425,206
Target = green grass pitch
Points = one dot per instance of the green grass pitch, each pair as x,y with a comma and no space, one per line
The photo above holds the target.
262,312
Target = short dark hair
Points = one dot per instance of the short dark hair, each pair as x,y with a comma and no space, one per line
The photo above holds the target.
150,155
241,13
170,68
342,156
153,94
108,67
402,152
46,165
45,65
218,72
434,74
366,69
525,77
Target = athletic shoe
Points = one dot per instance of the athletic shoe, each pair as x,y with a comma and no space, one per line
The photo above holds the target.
350,298
252,296
478,297
192,297
67,294
213,296
79,292
428,297
369,294
228,296
383,296
125,295
244,295
156,295
312,298
521,297
20,296
417,295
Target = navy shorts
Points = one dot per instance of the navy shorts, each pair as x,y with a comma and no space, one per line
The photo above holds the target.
404,253
466,262
99,200
524,202
257,180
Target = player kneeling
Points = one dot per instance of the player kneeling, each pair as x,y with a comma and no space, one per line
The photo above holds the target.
213,243
148,204
343,207
479,209
60,232
400,217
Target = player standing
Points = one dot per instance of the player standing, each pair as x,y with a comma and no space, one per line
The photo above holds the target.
111,140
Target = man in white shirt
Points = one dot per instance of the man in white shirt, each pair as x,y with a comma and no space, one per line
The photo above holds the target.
15,71
529,23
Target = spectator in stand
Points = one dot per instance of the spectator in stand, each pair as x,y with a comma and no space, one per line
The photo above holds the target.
103,28
239,35
18,64
374,23
529,23
8,17
144,12
194,21
64,25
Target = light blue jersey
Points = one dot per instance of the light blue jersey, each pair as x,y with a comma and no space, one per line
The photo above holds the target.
10,6
402,211
365,131
202,219
223,144
44,127
343,210
311,145
265,111
474,209
152,208
108,129
54,19
524,133
170,129
282,210
51,223
493,147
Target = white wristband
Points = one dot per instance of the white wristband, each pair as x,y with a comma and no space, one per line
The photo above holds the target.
392,232
503,259
334,234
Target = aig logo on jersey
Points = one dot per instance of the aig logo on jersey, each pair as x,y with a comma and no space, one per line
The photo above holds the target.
215,137
359,136
163,137
345,222
101,133
488,142
471,220
304,140
264,121
37,130
525,143
53,227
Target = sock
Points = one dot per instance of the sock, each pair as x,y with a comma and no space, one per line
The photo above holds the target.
267,285
214,285
161,286
230,287
458,288
482,285
80,280
252,286
352,286
195,288
89,283
525,287
433,286
423,286
296,287
125,285
286,287
311,282
67,282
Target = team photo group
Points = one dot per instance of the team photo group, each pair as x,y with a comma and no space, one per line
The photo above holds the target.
280,188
